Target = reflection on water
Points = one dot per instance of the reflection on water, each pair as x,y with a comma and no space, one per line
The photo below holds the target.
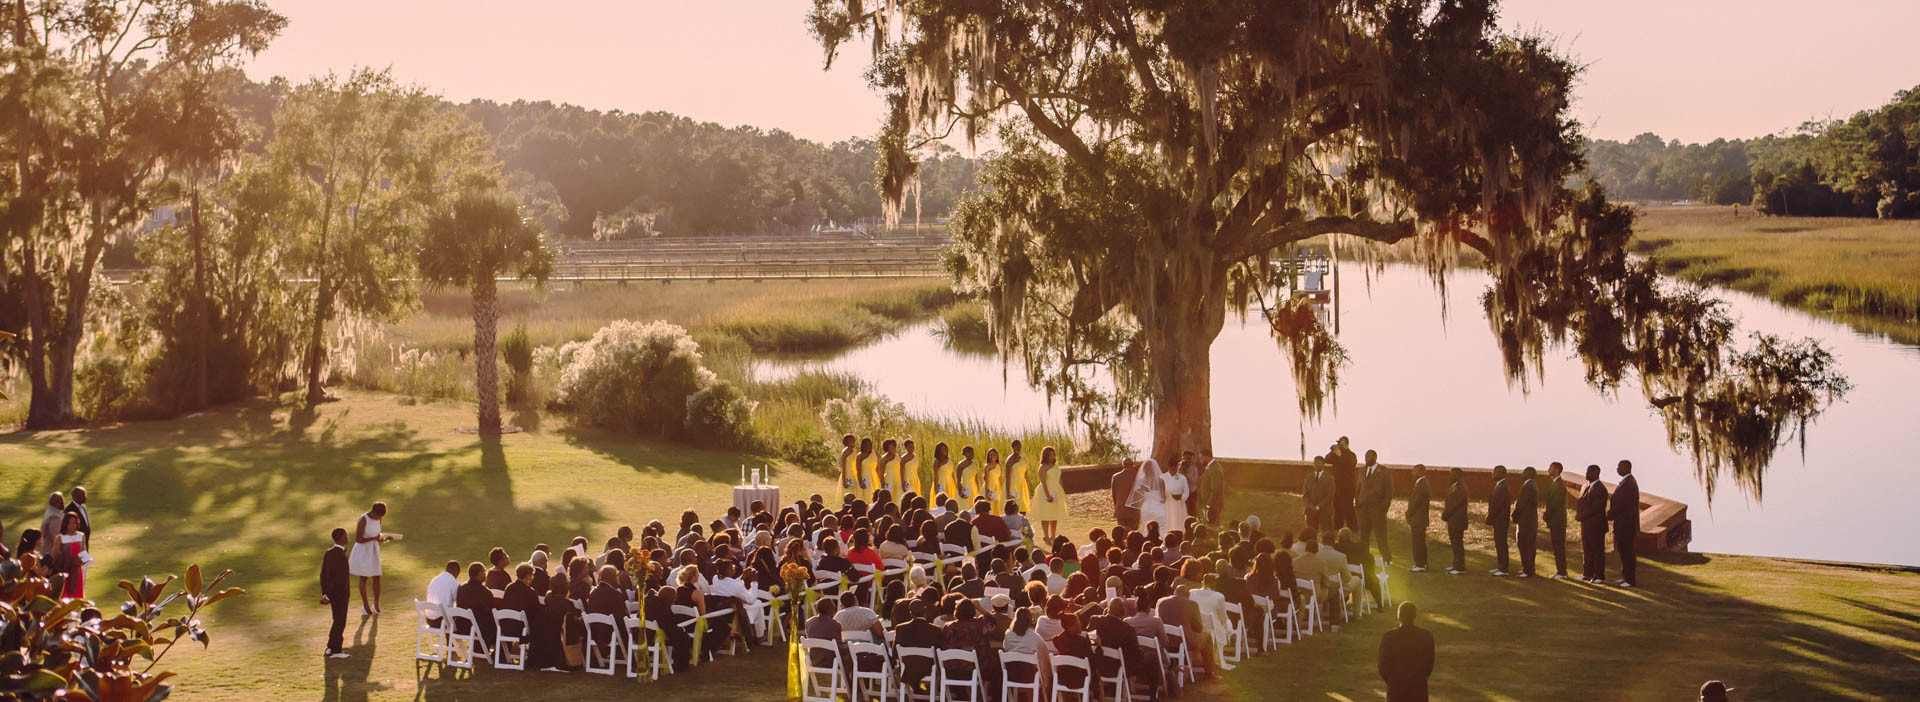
1432,390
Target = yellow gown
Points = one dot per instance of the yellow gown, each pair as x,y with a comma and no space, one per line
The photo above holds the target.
1054,510
1017,487
847,477
863,475
910,469
995,486
969,485
944,480
890,476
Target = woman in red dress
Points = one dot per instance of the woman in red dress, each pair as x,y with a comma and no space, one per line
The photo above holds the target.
71,544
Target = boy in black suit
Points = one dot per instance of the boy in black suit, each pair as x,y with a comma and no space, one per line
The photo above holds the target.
334,591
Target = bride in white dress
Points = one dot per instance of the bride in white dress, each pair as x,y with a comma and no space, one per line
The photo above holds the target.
1174,486
1149,495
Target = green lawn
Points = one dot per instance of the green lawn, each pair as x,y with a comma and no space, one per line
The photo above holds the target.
256,488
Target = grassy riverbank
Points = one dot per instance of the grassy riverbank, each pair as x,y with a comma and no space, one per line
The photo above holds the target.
1860,271
256,487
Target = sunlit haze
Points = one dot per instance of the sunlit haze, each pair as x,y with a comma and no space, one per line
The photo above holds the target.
1691,70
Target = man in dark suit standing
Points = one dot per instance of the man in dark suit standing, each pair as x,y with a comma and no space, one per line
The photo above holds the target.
1316,495
1499,519
1591,511
1624,510
77,504
1122,487
1553,510
1526,519
1455,515
1375,497
1406,658
1417,504
1345,473
335,592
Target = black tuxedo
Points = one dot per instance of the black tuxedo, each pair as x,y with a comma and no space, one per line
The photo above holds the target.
333,586
1406,661
1499,508
1624,511
523,599
473,595
1418,503
916,633
1591,511
1526,520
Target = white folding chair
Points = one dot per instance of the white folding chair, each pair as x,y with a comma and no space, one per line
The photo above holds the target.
510,651
603,658
861,655
1065,663
907,692
1122,692
430,633
1008,684
823,684
1315,625
826,582
949,682
1270,639
1386,595
1169,673
692,617
462,649
657,648
1235,650
637,644
1182,655
1363,605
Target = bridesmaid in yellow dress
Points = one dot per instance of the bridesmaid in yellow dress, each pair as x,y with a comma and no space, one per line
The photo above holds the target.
1017,486
943,480
1050,504
993,482
863,472
889,469
969,482
910,468
847,476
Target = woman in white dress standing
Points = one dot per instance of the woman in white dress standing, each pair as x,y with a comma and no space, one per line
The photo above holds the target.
364,560
1175,487
1149,494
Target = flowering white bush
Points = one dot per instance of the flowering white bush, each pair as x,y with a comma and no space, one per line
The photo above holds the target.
632,375
720,415
866,414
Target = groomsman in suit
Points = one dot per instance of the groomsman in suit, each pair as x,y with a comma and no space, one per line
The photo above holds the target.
1526,519
1417,504
335,592
1499,519
1554,511
1590,510
77,504
1624,510
1376,496
1122,488
1345,474
1455,515
1316,495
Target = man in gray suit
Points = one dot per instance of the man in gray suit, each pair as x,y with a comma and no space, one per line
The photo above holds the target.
1417,504
1376,495
1316,495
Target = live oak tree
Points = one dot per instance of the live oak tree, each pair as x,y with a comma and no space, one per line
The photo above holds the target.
1157,157
366,161
480,237
89,92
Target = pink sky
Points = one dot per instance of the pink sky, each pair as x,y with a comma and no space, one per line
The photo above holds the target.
1686,69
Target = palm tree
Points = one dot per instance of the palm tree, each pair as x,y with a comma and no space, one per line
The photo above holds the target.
473,243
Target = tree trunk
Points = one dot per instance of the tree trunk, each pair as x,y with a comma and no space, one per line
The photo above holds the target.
486,315
203,327
316,341
1190,311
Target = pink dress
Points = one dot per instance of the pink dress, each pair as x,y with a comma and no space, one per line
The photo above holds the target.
73,544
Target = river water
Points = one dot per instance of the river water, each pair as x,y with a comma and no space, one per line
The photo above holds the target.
1431,389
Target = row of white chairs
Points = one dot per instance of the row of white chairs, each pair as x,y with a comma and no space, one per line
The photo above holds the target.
611,643
864,670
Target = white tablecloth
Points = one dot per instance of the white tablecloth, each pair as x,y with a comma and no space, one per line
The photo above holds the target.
744,496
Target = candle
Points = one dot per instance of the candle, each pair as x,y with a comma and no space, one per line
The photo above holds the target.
743,474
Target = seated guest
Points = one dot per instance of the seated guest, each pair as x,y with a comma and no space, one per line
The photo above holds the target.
1144,622
580,580
824,627
970,583
929,542
1021,637
497,576
660,614
959,532
831,560
1056,575
895,547
539,562
857,620
521,597
1005,578
729,591
551,627
1213,616
862,553
1071,642
444,589
1178,610
912,630
607,599
474,595
1115,631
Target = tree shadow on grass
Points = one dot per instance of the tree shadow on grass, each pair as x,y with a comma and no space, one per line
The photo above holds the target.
660,456
1779,629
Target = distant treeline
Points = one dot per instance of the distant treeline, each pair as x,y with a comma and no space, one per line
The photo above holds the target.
588,173
1865,166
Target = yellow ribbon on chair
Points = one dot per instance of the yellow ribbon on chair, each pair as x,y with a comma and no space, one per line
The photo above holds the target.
699,637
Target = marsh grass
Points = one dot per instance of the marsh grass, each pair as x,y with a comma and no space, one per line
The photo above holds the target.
1864,272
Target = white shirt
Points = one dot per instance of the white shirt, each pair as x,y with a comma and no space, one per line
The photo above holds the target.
732,587
442,589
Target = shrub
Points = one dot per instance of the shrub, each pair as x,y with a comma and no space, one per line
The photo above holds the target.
864,415
516,349
720,415
633,376
108,388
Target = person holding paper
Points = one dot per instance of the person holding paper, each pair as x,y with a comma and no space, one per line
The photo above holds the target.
364,560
